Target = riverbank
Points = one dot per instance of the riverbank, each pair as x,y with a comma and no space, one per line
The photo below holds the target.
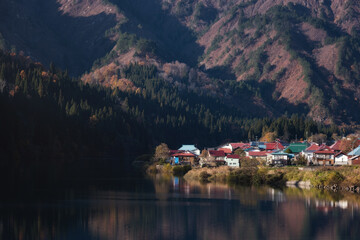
346,177
177,170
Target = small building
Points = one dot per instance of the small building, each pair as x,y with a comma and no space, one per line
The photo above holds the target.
190,148
259,155
183,158
355,152
278,158
341,159
324,157
232,160
354,160
218,156
308,153
212,158
354,156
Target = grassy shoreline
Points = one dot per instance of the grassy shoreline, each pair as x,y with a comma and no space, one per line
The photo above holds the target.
345,176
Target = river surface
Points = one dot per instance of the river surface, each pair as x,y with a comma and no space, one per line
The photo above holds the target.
164,207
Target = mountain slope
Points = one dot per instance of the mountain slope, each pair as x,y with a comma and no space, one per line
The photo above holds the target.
260,57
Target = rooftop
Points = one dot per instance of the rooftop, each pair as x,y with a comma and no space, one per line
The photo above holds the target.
336,146
183,154
225,150
297,147
188,148
355,152
258,154
274,146
217,153
325,152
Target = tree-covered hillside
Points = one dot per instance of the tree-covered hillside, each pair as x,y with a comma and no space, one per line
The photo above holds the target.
54,125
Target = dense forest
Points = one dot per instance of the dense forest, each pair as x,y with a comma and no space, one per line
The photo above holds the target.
55,125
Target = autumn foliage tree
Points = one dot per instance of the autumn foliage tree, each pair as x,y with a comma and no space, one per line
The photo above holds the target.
268,137
162,152
239,152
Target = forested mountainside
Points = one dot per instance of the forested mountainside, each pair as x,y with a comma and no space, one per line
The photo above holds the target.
54,126
260,57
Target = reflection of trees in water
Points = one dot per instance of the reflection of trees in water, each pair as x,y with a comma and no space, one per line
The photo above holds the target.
210,211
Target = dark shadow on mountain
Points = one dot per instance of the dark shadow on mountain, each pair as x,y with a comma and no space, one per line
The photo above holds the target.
279,106
48,35
221,72
147,19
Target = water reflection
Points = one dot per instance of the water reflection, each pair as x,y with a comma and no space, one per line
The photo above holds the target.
176,209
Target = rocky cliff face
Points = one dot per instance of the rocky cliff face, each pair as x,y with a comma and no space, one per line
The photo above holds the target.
264,57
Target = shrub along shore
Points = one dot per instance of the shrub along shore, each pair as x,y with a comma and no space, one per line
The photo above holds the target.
346,177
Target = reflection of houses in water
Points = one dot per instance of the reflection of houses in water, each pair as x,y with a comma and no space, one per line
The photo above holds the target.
182,187
214,191
327,206
276,195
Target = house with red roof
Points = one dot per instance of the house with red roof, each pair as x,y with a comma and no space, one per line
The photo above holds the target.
336,146
274,146
233,160
324,157
243,146
219,156
226,150
183,158
309,153
213,158
259,155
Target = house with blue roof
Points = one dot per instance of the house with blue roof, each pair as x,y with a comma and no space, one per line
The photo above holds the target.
190,148
355,152
354,156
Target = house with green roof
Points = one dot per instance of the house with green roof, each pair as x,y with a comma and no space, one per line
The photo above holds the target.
296,148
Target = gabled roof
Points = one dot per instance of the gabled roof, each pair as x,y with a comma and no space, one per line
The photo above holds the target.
297,147
233,156
262,146
279,153
183,154
339,153
258,154
217,153
240,145
274,146
225,150
336,146
313,147
355,152
188,148
354,157
325,152
324,147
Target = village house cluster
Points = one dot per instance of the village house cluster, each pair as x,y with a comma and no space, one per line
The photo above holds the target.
276,153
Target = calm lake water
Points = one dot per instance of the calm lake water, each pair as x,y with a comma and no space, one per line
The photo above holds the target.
170,208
